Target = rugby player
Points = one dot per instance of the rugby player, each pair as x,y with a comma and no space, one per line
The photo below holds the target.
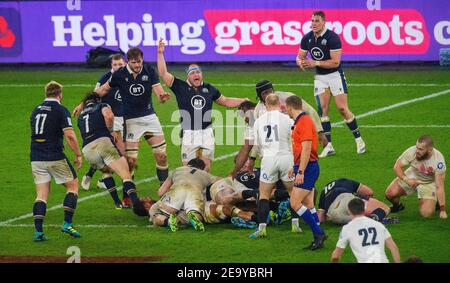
195,100
325,48
96,123
425,175
335,196
50,122
136,81
367,238
272,133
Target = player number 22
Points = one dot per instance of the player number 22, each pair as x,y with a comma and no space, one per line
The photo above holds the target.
365,233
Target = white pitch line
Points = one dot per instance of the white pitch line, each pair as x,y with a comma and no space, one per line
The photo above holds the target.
147,180
370,113
252,85
102,226
396,105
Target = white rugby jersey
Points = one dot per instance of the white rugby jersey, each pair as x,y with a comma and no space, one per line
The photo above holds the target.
272,132
423,170
366,237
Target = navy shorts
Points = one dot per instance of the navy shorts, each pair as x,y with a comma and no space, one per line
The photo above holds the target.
311,175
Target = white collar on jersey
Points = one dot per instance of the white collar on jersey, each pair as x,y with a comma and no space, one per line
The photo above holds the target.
52,99
201,84
322,33
131,71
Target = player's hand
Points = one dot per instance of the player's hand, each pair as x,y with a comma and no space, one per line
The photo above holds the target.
164,97
299,179
308,64
291,173
443,215
161,46
232,174
77,110
78,162
412,183
300,63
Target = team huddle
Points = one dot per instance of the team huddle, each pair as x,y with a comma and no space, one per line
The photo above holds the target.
282,129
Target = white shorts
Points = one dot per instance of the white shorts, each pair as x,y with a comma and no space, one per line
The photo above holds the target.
118,125
185,196
274,168
101,152
338,211
334,81
197,143
61,170
137,127
156,209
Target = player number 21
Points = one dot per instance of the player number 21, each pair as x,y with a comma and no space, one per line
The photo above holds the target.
269,129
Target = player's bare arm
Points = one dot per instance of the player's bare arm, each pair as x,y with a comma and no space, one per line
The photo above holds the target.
72,141
101,91
336,255
230,101
162,67
165,187
440,193
241,157
390,244
301,56
398,169
161,94
108,115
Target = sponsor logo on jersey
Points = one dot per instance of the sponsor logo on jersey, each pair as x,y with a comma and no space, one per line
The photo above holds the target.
440,165
136,89
317,53
198,102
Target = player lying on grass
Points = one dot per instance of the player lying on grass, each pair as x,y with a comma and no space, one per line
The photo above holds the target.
184,189
96,124
335,196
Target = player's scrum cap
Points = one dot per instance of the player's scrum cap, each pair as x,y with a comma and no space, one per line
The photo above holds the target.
262,86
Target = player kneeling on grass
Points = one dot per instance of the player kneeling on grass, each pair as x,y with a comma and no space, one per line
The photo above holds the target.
184,189
336,195
50,122
425,175
96,124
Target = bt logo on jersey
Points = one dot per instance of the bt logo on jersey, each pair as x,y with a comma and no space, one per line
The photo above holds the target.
198,102
136,89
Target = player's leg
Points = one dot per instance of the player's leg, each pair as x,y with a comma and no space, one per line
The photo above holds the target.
376,209
393,194
364,191
265,190
427,199
39,210
70,204
158,144
194,205
110,185
120,167
323,102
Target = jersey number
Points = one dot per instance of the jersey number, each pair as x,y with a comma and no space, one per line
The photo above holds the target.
329,187
269,131
86,122
365,233
40,121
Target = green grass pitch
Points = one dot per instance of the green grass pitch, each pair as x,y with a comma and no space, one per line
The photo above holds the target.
387,133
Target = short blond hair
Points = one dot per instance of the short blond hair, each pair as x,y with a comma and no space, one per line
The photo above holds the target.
53,89
272,100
